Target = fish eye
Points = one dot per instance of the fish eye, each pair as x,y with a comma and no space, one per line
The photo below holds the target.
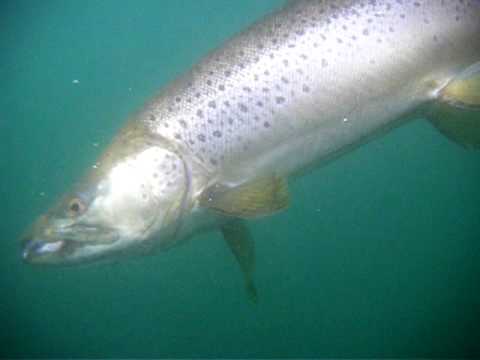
75,207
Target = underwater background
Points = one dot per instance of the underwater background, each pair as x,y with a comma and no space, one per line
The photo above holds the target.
378,255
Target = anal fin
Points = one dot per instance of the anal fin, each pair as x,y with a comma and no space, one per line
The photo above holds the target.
240,242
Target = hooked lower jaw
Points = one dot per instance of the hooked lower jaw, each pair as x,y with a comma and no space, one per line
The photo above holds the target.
59,252
54,251
44,244
39,251
64,251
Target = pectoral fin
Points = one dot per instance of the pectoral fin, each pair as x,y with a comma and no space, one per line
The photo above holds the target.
240,241
260,197
457,115
458,124
464,90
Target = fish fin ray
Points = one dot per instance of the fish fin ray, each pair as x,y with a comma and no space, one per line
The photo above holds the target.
261,197
457,114
464,90
240,241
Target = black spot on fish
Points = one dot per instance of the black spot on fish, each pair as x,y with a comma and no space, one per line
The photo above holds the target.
217,133
212,104
279,99
243,107
201,137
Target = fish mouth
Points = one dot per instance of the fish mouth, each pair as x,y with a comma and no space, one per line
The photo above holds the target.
36,249
64,249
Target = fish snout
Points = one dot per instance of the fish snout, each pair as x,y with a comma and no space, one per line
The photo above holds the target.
35,250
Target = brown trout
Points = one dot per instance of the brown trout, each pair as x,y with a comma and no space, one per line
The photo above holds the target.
300,87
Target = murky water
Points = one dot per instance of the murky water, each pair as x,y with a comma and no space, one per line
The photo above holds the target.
379,254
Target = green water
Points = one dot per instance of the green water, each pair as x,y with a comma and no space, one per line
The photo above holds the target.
379,254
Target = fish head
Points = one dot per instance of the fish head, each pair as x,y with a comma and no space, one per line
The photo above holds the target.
132,200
